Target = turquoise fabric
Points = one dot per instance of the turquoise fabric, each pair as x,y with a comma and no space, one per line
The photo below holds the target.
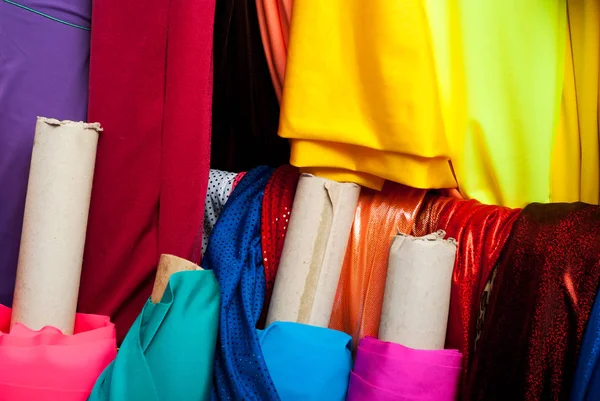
168,353
307,363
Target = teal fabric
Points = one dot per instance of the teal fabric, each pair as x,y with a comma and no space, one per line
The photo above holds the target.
168,353
307,363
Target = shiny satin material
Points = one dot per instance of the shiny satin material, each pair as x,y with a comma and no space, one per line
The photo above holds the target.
49,365
307,363
378,217
152,92
276,209
546,284
168,353
235,255
379,120
586,383
481,232
386,371
43,72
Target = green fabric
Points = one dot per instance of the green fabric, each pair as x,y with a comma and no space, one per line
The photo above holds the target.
168,353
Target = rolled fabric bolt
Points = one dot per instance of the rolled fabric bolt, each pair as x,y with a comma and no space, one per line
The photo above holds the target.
313,251
167,266
54,224
417,291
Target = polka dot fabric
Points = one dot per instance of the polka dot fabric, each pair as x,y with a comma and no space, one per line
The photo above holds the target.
235,255
220,186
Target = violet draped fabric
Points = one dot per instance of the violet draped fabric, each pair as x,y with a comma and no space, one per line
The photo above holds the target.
387,371
44,59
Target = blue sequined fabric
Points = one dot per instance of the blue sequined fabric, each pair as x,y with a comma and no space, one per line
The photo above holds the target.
586,386
234,254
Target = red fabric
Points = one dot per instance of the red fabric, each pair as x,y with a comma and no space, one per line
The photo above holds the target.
481,232
152,94
541,300
237,180
276,209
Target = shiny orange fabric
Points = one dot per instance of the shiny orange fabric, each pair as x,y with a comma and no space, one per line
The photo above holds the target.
481,231
379,216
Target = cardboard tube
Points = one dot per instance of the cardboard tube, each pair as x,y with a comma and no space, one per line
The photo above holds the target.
167,266
54,224
417,291
313,251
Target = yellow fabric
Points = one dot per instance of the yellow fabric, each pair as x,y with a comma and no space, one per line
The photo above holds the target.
360,95
500,65
580,109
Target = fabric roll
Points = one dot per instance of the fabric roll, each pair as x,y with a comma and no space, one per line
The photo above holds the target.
167,266
235,255
481,231
417,291
155,148
379,216
586,383
363,138
313,252
49,365
389,371
275,217
168,353
307,362
54,224
220,186
546,283
45,48
245,108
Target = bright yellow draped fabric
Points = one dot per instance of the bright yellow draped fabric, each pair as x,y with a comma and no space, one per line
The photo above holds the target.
361,99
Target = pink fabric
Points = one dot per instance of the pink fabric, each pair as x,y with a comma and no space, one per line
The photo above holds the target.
388,371
48,365
274,20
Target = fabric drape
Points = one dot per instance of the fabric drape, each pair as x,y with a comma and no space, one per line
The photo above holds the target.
543,293
586,383
43,72
220,186
153,93
235,255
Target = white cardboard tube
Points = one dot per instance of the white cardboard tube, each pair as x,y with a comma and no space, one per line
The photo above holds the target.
167,266
417,291
54,224
313,252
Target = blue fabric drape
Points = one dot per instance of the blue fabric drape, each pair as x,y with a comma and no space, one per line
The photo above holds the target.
234,254
586,386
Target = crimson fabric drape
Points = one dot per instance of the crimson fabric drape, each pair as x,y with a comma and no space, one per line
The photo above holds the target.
543,293
151,89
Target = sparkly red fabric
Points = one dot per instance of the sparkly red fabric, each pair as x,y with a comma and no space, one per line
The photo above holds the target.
481,231
544,290
276,209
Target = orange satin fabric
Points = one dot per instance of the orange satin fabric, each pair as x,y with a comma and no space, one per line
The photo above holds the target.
379,216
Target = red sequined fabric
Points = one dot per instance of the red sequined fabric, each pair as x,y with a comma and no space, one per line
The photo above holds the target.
276,209
543,293
481,231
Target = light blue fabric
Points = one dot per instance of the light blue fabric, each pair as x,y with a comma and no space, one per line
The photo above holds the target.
307,363
586,385
168,353
234,253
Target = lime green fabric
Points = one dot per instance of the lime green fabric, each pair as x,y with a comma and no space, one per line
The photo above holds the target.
168,353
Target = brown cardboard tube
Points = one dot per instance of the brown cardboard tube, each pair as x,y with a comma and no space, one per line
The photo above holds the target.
167,266
54,224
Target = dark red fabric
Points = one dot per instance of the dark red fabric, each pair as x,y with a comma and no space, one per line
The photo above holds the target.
151,89
276,210
542,296
481,231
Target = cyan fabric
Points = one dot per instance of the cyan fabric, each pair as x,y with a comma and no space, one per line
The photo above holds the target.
235,255
168,352
307,363
586,385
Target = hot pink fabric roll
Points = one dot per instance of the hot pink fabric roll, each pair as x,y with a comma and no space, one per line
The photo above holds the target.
388,371
274,20
49,365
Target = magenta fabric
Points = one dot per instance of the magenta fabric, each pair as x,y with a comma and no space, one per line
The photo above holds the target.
49,365
389,371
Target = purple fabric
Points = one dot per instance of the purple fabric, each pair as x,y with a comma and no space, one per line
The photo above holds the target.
387,371
43,72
